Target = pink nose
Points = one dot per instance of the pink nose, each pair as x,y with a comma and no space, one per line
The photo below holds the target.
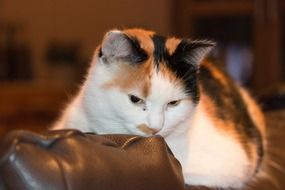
147,130
153,131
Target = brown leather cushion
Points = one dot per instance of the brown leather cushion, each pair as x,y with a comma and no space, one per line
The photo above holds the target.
69,159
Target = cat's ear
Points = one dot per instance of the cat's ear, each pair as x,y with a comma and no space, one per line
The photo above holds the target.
117,45
193,52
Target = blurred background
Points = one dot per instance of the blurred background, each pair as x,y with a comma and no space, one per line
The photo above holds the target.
46,46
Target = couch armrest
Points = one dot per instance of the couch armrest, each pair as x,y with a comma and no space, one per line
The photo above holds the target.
69,159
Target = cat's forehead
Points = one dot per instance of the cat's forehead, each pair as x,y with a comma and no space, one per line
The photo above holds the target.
159,48
144,80
143,77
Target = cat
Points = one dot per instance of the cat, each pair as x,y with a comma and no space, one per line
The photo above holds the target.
142,83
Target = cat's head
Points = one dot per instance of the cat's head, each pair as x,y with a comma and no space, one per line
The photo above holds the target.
145,83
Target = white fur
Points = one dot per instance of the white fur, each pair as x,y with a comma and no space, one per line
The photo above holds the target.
208,156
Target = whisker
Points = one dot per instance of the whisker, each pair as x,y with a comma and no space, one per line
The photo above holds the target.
276,166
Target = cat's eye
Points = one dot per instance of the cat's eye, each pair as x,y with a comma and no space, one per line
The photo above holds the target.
136,100
173,103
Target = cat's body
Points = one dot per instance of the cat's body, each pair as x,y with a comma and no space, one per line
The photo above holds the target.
144,84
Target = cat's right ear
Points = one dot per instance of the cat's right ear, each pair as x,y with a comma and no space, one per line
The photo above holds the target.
117,45
193,52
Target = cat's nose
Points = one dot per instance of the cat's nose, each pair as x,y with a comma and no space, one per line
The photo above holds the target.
156,121
147,130
153,131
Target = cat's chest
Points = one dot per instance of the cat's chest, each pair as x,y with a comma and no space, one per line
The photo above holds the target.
178,144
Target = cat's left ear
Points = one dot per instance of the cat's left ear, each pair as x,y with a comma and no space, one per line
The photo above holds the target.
117,45
193,52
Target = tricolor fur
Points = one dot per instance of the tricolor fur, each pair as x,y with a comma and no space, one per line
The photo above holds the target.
143,83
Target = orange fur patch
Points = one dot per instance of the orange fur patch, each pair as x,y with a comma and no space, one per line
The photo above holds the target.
216,72
171,44
255,112
128,76
144,38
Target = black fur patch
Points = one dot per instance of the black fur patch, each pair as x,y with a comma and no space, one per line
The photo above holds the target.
160,52
138,54
187,46
230,106
100,52
177,64
185,70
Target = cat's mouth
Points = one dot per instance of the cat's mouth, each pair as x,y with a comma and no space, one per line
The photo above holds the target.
147,130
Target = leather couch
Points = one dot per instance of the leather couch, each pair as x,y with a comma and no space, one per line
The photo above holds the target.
71,160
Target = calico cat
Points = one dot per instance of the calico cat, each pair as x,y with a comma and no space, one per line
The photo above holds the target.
145,84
